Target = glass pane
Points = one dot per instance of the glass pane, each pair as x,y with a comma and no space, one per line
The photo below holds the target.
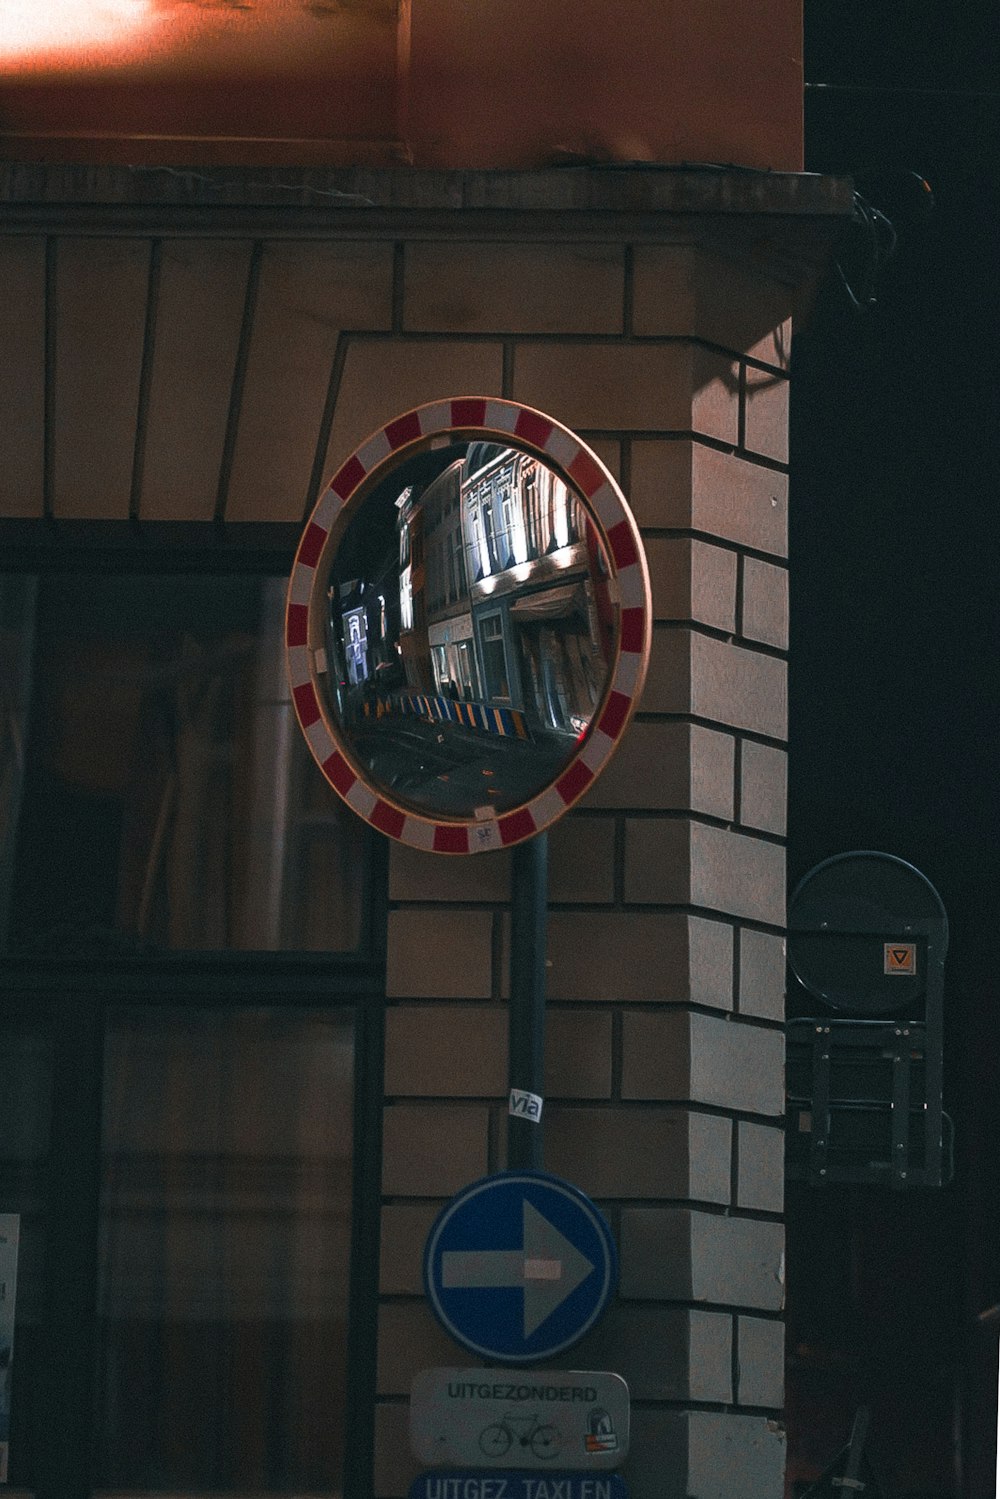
17,616
25,1117
225,1229
469,566
170,802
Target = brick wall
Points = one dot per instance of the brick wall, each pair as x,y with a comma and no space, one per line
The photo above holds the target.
251,351
665,979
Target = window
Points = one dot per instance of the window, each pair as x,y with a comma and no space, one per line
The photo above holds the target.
167,800
25,1113
467,675
190,997
223,1259
495,669
456,565
489,532
439,662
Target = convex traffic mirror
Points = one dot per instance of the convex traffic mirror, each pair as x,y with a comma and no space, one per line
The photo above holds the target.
468,624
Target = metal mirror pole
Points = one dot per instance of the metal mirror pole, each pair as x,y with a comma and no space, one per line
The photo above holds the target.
529,911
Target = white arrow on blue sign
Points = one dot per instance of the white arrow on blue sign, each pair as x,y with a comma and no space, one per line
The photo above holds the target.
519,1266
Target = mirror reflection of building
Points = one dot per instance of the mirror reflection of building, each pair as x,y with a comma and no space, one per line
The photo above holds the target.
496,526
539,645
470,620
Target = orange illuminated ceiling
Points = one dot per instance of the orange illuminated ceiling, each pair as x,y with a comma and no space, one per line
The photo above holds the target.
438,83
88,38
195,80
64,33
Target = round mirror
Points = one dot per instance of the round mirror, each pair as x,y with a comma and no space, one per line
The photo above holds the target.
468,624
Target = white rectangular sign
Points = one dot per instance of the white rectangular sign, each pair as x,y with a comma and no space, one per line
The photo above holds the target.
9,1232
519,1418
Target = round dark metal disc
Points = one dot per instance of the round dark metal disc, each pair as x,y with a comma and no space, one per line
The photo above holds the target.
863,928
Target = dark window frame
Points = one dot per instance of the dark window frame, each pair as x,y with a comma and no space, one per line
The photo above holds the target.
78,992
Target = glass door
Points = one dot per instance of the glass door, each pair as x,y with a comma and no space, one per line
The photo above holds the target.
183,1179
225,1231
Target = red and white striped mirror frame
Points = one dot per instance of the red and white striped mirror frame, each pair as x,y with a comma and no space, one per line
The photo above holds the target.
472,418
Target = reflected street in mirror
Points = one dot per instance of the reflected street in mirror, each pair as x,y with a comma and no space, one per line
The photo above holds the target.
470,630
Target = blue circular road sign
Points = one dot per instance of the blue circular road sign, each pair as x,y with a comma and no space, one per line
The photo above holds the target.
519,1266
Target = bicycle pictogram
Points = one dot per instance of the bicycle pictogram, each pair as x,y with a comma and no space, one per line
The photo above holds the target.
520,1430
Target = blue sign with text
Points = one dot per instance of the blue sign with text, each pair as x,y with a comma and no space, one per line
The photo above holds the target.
519,1266
514,1485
